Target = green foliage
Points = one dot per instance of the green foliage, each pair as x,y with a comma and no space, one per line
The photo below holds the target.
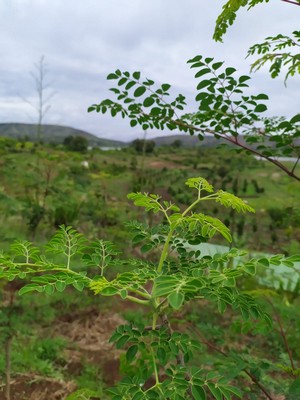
84,394
228,15
273,52
223,111
90,378
40,356
143,146
101,255
156,352
76,143
177,143
272,49
68,242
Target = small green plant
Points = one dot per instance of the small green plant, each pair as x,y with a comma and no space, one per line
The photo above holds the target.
159,360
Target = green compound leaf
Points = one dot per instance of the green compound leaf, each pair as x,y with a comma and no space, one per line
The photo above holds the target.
230,200
199,183
79,286
165,87
170,285
31,287
131,353
217,65
24,249
202,72
262,96
112,76
129,85
148,201
148,102
60,286
231,389
176,300
295,119
66,241
165,285
136,75
198,393
260,108
139,91
49,289
215,391
230,71
228,15
209,225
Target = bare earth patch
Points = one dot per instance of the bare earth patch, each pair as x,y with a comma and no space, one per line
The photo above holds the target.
87,333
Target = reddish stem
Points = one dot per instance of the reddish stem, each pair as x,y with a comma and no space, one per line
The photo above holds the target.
292,2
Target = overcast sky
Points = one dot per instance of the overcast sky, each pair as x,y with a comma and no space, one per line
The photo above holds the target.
83,41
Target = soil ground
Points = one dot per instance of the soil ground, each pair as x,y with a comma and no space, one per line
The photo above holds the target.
87,333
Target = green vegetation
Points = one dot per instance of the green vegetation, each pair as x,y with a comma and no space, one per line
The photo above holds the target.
100,300
89,190
45,187
159,360
76,143
224,110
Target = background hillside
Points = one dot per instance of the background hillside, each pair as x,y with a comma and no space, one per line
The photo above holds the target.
57,134
188,141
54,134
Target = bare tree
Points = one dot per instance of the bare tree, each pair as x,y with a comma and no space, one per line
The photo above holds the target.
42,87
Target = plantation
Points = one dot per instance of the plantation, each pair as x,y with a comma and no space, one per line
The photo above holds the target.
161,269
58,333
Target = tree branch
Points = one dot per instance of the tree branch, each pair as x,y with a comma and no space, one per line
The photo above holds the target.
282,333
249,374
235,142
291,2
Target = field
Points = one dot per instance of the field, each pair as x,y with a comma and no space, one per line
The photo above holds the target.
59,343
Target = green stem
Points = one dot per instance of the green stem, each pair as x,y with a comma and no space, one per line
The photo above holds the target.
165,250
154,321
103,260
68,254
140,293
138,301
155,367
191,206
42,269
209,197
172,228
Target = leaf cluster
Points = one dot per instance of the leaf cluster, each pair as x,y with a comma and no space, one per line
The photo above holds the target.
228,15
225,110
273,51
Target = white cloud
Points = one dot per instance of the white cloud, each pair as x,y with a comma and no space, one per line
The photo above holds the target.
84,41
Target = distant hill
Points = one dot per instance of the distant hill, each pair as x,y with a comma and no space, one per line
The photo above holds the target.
188,141
208,141
54,133
57,134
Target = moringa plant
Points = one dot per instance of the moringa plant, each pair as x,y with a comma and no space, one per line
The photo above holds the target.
162,363
274,50
225,110
281,51
230,10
